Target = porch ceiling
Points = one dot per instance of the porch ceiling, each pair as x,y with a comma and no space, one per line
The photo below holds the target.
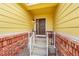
40,6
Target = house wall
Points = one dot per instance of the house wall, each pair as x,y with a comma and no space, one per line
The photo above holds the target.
67,18
15,23
13,18
66,28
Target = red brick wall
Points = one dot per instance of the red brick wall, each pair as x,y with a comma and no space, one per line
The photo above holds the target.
12,45
67,46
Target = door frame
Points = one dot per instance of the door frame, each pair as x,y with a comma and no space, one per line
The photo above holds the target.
36,25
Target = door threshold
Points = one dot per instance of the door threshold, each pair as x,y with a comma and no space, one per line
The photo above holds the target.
40,35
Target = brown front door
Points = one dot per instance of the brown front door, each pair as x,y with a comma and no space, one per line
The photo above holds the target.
40,26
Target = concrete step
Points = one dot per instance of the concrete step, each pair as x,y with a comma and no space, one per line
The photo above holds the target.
39,46
40,36
39,51
38,54
40,42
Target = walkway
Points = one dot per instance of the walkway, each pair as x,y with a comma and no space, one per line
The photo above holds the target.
39,46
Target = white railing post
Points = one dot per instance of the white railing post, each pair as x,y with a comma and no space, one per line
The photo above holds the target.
31,41
29,44
33,37
54,39
47,41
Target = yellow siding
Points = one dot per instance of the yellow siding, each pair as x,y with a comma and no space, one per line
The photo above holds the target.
67,18
14,19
